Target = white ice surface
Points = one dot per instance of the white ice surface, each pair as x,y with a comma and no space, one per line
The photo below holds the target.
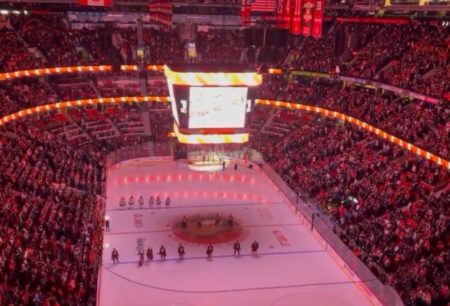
291,270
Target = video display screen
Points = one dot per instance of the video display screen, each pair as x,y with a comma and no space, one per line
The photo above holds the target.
217,107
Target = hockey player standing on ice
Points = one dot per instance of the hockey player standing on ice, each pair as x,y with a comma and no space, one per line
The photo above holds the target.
167,202
181,251
230,220
115,256
209,251
107,224
131,202
141,257
237,248
122,202
162,252
217,220
141,202
158,201
184,223
151,201
149,254
255,246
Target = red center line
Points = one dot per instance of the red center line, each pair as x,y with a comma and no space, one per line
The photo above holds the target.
170,230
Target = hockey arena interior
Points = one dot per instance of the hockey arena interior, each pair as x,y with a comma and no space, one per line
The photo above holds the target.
225,152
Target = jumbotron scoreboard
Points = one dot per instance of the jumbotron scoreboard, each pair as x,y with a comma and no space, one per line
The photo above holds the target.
211,104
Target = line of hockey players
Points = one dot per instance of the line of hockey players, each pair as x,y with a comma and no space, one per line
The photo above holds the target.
151,202
181,252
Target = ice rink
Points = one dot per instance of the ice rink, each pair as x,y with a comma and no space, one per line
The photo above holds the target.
291,267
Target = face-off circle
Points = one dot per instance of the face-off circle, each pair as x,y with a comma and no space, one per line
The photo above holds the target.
207,229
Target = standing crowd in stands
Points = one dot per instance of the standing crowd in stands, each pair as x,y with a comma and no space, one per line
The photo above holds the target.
391,208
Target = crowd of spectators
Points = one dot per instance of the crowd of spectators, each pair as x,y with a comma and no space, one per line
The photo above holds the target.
161,125
94,42
220,46
130,89
111,89
311,54
14,55
54,39
436,83
391,207
426,49
17,95
164,46
413,56
44,259
422,123
390,42
75,91
51,217
422,63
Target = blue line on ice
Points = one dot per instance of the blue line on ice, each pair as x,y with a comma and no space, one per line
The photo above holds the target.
162,207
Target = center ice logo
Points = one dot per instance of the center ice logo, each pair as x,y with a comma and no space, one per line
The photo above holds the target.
208,228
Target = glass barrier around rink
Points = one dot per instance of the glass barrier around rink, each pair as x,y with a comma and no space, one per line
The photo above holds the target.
326,229
216,154
148,149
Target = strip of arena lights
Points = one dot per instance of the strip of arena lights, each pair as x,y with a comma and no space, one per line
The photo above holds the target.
77,103
380,133
6,76
280,104
70,69
53,70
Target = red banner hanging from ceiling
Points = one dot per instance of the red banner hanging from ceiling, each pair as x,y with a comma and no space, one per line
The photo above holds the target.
296,27
308,11
280,13
301,17
287,14
160,11
318,18
95,2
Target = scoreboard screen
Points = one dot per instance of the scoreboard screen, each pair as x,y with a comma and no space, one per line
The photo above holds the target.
217,107
211,104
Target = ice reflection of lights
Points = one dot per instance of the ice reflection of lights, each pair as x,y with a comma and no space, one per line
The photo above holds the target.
169,178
